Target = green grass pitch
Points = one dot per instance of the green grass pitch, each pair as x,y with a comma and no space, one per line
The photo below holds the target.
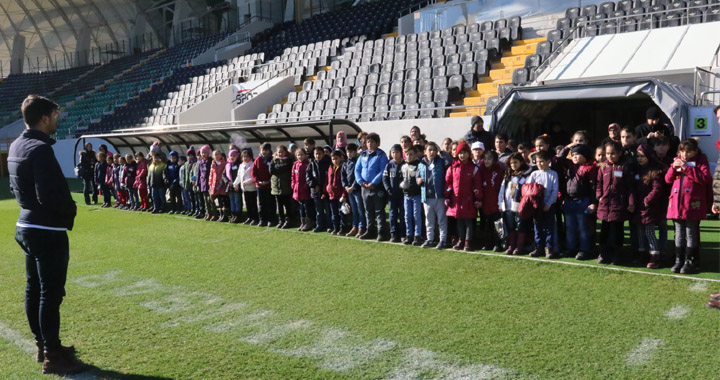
157,297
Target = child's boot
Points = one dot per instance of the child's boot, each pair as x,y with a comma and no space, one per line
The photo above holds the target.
407,241
352,232
223,216
690,258
468,245
418,241
520,244
654,260
512,243
679,259
459,245
281,222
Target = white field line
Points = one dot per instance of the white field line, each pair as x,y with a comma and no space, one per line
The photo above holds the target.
699,286
678,312
644,351
29,347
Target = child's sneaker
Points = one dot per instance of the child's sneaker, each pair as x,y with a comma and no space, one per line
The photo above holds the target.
582,255
418,241
352,232
395,238
537,252
408,240
441,245
427,244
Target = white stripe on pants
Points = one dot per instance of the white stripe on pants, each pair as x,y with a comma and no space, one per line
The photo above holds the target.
435,213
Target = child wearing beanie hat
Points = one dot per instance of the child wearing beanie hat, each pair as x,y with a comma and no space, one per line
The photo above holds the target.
579,201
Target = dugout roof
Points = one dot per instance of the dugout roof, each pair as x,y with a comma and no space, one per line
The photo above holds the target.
219,136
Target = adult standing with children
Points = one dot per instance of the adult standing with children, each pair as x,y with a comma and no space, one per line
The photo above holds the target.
368,174
47,212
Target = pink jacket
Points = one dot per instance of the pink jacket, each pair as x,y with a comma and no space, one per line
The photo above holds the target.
334,186
463,186
217,185
688,195
300,188
141,176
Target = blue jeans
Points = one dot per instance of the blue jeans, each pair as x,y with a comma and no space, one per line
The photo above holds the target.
397,214
322,213
46,262
134,197
514,223
358,209
187,200
335,213
413,216
576,223
544,227
235,201
158,198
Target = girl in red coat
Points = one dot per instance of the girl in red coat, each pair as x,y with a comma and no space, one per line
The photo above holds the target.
300,188
491,174
335,190
689,176
463,194
141,181
217,187
616,200
651,201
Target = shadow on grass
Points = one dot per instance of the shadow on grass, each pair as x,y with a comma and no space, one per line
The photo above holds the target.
99,373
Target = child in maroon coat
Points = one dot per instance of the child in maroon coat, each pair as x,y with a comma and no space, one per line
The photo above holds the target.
261,174
335,190
690,179
651,201
463,195
141,181
491,173
300,188
616,201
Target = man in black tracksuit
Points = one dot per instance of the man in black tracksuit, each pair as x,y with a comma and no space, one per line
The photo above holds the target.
47,212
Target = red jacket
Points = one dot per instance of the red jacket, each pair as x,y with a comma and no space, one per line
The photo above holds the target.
614,192
216,184
300,188
463,186
688,195
492,178
651,201
141,176
261,172
334,186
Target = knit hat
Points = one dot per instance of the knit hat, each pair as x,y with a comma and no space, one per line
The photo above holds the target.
233,152
477,145
585,150
652,113
646,150
615,126
291,146
191,150
205,148
462,146
173,153
396,147
475,119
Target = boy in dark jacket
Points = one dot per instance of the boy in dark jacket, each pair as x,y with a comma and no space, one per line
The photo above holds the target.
261,174
353,191
411,197
100,172
316,178
335,190
173,174
391,181
580,201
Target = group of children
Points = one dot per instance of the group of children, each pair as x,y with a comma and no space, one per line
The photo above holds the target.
527,197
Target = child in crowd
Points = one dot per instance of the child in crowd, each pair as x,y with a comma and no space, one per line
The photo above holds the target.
353,190
615,196
411,196
431,179
234,195
491,174
141,181
204,166
463,195
613,134
478,150
544,220
261,174
316,177
245,182
116,183
580,200
109,182
661,145
174,189
690,178
186,205
453,150
335,191
129,175
502,149
391,181
157,182
509,197
300,188
187,182
99,172
280,188
217,187
651,202
405,143
599,155
368,174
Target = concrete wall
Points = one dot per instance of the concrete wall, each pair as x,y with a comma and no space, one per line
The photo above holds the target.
267,95
216,108
230,52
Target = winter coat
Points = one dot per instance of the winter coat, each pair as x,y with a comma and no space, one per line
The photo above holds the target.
409,176
141,176
109,179
485,137
316,176
433,175
100,173
581,181
157,176
261,172
186,181
334,188
688,194
173,169
510,192
463,187
300,188
203,175
492,179
348,174
392,177
216,183
370,167
280,169
716,179
615,191
532,200
245,180
129,174
651,198
86,166
231,172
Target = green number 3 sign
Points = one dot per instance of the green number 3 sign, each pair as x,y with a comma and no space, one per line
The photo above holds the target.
701,123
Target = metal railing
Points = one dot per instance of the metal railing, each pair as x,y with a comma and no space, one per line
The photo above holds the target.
705,83
415,7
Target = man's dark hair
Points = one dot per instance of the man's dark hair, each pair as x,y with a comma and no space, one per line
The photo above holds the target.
309,141
337,153
502,136
319,149
34,107
266,146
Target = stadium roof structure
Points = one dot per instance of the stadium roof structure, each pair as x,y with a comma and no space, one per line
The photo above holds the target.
222,134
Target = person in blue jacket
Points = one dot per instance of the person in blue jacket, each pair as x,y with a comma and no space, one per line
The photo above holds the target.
432,186
368,174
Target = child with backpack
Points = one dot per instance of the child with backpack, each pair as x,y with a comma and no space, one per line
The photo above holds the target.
544,219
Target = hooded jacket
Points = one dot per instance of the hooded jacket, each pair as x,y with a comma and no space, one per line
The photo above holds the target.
280,172
216,184
492,179
433,176
316,175
300,188
463,187
688,194
614,192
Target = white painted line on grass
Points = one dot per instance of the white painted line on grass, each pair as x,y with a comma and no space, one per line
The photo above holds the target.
644,351
699,286
678,312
